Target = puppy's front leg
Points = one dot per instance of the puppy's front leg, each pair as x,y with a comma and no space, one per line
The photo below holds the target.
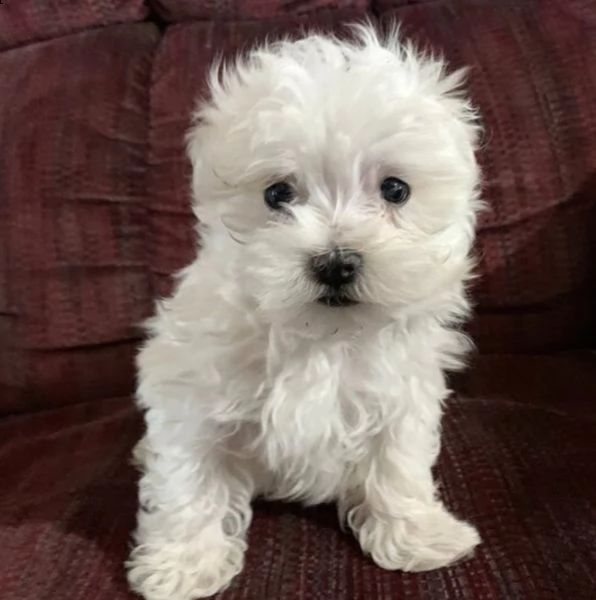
194,512
392,505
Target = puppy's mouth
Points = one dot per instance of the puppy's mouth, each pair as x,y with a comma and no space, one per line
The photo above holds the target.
336,300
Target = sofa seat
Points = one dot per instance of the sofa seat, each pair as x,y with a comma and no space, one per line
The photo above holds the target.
518,460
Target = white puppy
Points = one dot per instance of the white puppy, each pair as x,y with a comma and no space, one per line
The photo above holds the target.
303,354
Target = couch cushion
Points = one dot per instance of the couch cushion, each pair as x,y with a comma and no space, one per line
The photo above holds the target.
25,21
75,282
518,460
181,10
534,84
582,9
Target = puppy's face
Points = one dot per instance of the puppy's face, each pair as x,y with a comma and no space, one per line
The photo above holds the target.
345,172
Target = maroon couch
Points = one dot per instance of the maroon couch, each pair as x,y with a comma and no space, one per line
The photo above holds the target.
94,102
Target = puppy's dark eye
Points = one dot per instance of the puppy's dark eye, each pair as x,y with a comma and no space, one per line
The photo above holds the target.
395,190
278,194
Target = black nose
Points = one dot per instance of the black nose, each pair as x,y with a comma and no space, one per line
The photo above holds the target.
336,268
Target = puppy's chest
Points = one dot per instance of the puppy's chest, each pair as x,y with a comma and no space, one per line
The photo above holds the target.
322,401
319,376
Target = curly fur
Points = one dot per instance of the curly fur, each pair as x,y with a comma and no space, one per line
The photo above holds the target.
249,385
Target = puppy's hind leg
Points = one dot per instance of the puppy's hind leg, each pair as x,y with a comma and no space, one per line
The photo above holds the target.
193,516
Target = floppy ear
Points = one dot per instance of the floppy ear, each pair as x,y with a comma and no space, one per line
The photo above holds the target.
217,142
201,142
215,157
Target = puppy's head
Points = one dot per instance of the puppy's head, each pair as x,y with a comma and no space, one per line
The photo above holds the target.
344,174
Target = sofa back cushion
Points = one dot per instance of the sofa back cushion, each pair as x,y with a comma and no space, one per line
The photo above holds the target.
23,21
95,184
182,10
74,279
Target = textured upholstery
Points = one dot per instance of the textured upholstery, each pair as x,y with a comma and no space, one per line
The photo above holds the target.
518,459
27,21
74,114
99,220
234,10
94,219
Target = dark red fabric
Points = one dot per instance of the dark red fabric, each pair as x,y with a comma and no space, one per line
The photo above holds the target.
518,460
384,5
94,218
74,126
581,8
91,234
234,10
23,21
534,82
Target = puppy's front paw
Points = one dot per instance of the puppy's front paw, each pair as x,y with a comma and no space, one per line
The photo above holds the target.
184,571
431,539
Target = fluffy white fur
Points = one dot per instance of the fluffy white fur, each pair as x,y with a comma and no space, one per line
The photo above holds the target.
251,387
